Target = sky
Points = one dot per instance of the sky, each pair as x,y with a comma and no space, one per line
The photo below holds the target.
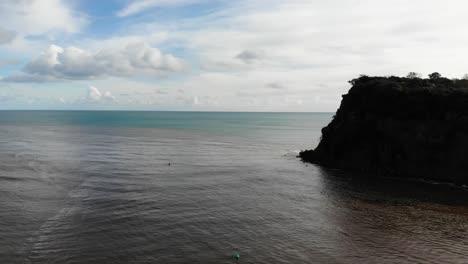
218,55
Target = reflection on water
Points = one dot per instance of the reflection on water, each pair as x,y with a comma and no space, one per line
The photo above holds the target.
396,221
77,194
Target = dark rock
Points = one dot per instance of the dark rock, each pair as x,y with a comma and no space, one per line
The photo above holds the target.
404,127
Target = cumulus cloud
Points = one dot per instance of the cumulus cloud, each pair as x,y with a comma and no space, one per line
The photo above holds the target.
72,63
108,96
306,43
263,54
142,5
95,95
35,17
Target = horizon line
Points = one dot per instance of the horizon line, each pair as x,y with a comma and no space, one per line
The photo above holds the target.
194,111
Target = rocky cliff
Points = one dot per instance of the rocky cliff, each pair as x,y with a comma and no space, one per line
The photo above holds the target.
404,127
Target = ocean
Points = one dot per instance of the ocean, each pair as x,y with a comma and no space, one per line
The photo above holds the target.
197,187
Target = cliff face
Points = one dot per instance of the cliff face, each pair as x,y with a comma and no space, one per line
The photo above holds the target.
399,127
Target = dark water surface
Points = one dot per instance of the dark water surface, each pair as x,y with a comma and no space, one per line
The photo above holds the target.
96,187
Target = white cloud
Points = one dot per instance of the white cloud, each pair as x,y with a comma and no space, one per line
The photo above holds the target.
346,37
36,17
108,96
141,5
259,54
46,62
314,47
72,63
95,95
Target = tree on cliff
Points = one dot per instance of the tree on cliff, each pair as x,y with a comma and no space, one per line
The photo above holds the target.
413,75
435,75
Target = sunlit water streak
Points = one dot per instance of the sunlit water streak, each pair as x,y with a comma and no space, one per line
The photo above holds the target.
96,187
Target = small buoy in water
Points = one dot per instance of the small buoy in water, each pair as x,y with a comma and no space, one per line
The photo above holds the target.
236,256
169,164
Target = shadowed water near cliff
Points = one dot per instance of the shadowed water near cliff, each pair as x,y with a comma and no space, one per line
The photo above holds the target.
95,187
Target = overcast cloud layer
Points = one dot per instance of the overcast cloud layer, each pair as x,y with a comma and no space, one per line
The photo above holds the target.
256,55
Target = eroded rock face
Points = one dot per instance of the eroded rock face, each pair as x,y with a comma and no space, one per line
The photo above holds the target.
399,127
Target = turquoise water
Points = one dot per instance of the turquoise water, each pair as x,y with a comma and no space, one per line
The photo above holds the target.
220,121
97,187
294,129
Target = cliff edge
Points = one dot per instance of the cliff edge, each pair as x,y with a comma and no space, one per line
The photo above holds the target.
404,127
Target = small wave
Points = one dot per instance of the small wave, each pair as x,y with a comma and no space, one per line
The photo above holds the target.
294,151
